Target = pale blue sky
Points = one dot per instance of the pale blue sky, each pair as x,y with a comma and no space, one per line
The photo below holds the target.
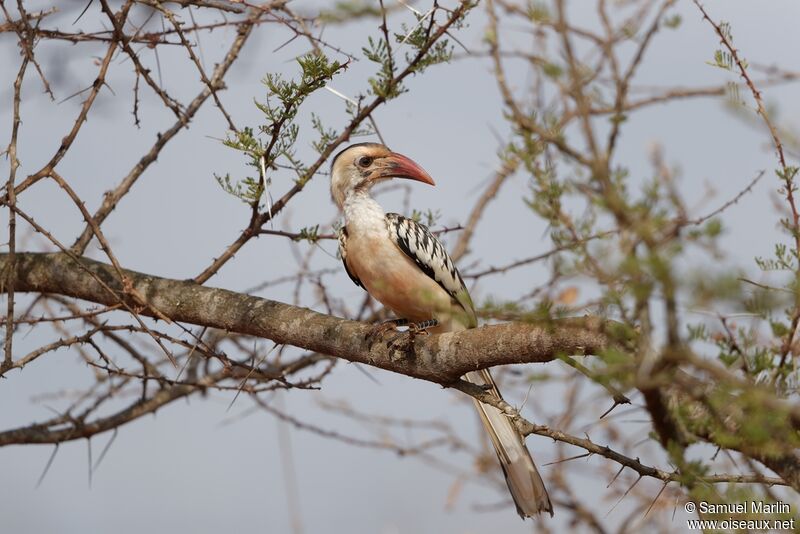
183,470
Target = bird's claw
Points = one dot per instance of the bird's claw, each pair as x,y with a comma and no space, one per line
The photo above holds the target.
414,329
379,330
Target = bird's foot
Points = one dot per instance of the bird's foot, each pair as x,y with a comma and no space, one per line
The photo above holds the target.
378,331
414,329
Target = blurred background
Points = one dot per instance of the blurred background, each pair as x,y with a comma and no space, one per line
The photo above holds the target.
204,465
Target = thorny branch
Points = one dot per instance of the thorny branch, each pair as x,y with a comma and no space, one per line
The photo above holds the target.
363,114
439,359
786,173
135,324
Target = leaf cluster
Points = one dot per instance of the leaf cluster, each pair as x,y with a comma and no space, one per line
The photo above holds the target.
273,143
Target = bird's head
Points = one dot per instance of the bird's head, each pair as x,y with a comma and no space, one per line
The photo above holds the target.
359,167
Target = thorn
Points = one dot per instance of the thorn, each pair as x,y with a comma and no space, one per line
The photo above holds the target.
625,494
252,370
47,465
616,403
89,459
105,449
621,468
656,499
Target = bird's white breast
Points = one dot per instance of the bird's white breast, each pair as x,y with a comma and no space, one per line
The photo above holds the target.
364,216
384,270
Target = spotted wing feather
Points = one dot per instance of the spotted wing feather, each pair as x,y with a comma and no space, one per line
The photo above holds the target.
418,243
343,254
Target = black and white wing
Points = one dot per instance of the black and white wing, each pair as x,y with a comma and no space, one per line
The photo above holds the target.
418,243
343,254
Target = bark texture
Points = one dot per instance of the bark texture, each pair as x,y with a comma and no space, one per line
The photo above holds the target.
439,358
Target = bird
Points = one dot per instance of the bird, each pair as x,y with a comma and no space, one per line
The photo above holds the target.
400,263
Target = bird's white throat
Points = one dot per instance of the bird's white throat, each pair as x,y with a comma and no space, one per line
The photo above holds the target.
363,215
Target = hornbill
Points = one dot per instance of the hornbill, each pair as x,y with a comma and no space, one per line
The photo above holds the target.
402,265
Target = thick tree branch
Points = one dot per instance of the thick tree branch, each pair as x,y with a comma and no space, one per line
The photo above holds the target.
439,358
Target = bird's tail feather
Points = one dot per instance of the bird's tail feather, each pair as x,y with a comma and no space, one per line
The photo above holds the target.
523,479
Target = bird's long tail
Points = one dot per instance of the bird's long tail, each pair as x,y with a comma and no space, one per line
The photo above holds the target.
522,477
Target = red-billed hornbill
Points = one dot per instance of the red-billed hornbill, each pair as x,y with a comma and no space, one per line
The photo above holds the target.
402,265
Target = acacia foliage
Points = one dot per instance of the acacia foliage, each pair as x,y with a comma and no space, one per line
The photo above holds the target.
627,248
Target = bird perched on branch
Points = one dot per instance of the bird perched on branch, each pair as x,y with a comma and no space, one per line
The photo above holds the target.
402,265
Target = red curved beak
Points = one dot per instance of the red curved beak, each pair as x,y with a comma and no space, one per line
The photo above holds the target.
399,166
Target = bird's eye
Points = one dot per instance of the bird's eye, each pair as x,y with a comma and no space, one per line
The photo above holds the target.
364,161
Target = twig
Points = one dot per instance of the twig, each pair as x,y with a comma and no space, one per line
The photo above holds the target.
252,229
111,200
10,275
69,139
